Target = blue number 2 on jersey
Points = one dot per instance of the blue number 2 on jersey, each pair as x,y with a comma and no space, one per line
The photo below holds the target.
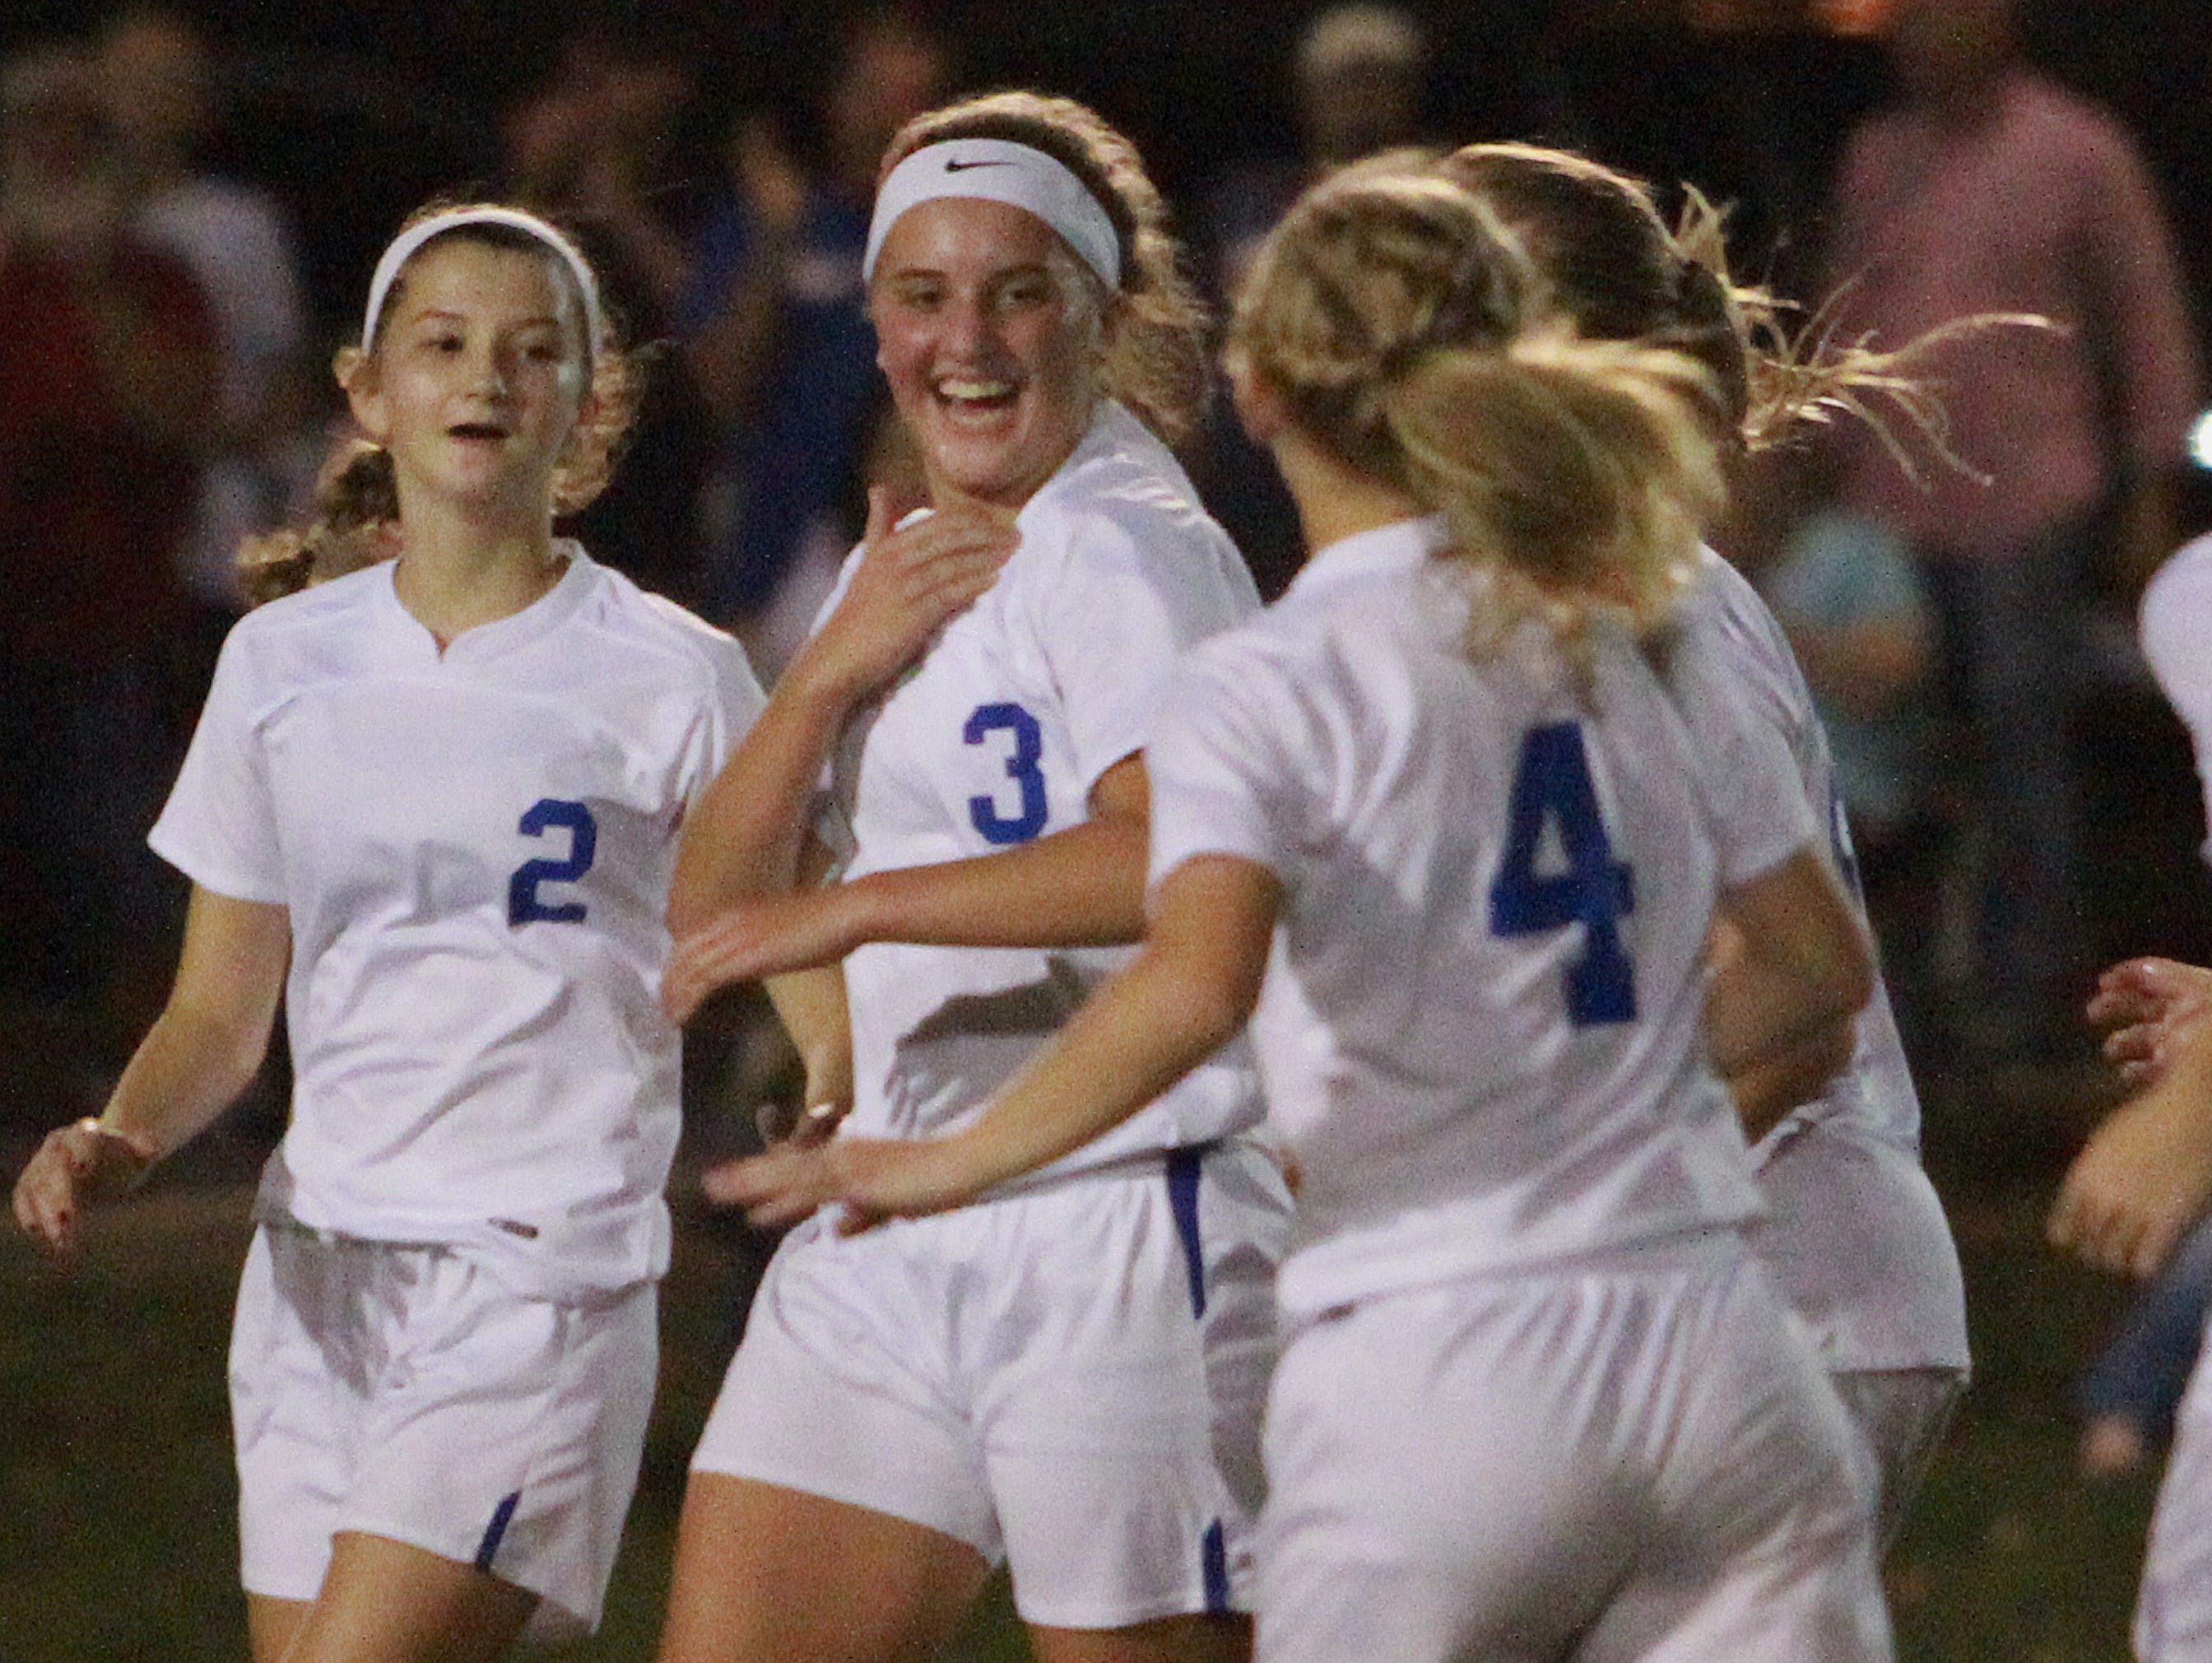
1021,768
523,906
1552,786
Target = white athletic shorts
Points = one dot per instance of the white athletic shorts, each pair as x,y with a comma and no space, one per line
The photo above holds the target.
1636,1460
2173,1611
1068,1378
402,1391
1900,1414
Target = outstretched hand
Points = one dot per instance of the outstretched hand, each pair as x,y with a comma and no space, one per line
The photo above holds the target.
78,1165
2147,1005
910,582
874,1178
2142,1181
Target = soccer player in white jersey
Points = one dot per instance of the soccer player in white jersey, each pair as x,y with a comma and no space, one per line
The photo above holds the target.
1067,1379
433,805
1437,825
2144,1180
1855,1235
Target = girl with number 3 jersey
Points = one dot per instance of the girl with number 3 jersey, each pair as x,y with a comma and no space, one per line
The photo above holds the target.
1067,1379
433,805
1435,823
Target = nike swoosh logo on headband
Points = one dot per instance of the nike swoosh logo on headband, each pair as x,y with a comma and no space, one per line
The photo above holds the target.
953,165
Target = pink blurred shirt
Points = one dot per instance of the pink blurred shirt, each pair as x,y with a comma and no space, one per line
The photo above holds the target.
2043,208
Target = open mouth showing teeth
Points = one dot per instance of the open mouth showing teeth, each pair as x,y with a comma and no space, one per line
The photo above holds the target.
976,395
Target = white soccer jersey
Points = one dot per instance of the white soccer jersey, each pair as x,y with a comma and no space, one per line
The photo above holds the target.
996,736
475,848
2173,625
1858,1237
1480,1029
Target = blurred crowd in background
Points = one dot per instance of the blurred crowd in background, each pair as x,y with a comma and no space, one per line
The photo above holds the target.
190,202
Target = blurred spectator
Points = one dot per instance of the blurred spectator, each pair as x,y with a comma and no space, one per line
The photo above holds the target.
1988,189
1360,87
1846,592
157,90
111,368
599,146
778,336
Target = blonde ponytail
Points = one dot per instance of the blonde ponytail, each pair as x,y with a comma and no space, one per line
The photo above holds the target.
356,513
1409,336
1577,473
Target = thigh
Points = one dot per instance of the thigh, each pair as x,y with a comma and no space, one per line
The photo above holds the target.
1197,1639
299,1381
767,1575
1760,1543
384,1601
844,1388
506,1435
1120,1376
1448,1477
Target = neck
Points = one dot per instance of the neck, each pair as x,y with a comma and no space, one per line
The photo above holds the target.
456,573
1335,502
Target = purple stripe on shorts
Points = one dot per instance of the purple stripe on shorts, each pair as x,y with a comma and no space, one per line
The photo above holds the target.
501,1516
1213,1560
1183,1166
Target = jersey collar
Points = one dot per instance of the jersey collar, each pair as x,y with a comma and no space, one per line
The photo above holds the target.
502,635
1386,551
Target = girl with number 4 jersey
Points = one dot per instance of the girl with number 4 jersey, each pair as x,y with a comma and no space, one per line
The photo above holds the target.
1855,1235
1435,823
433,805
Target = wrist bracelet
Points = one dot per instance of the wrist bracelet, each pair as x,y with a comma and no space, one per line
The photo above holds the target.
99,1128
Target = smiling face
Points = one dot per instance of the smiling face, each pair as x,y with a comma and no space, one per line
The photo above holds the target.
986,327
478,379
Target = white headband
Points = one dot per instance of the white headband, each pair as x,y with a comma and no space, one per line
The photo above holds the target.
997,170
404,245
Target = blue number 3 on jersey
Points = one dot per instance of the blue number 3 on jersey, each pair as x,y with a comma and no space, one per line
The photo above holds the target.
1551,786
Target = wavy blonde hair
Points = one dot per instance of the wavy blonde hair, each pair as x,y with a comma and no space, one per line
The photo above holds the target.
357,495
1411,337
1623,274
1154,356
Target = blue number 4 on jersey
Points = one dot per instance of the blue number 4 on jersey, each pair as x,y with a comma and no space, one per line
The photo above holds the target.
1551,786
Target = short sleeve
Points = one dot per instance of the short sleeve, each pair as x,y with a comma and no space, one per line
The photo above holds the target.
1221,769
736,704
1749,775
219,826
1131,595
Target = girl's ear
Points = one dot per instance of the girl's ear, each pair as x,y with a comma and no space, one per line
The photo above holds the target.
356,373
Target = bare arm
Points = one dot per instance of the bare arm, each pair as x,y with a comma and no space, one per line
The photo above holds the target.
201,1052
1804,965
1081,887
1185,995
2145,1175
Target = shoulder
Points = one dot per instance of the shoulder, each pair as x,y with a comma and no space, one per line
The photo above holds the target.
1124,507
692,649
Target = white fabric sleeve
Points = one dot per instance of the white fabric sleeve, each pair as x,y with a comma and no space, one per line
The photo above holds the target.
1220,763
1115,613
219,826
1747,771
734,706
2177,613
